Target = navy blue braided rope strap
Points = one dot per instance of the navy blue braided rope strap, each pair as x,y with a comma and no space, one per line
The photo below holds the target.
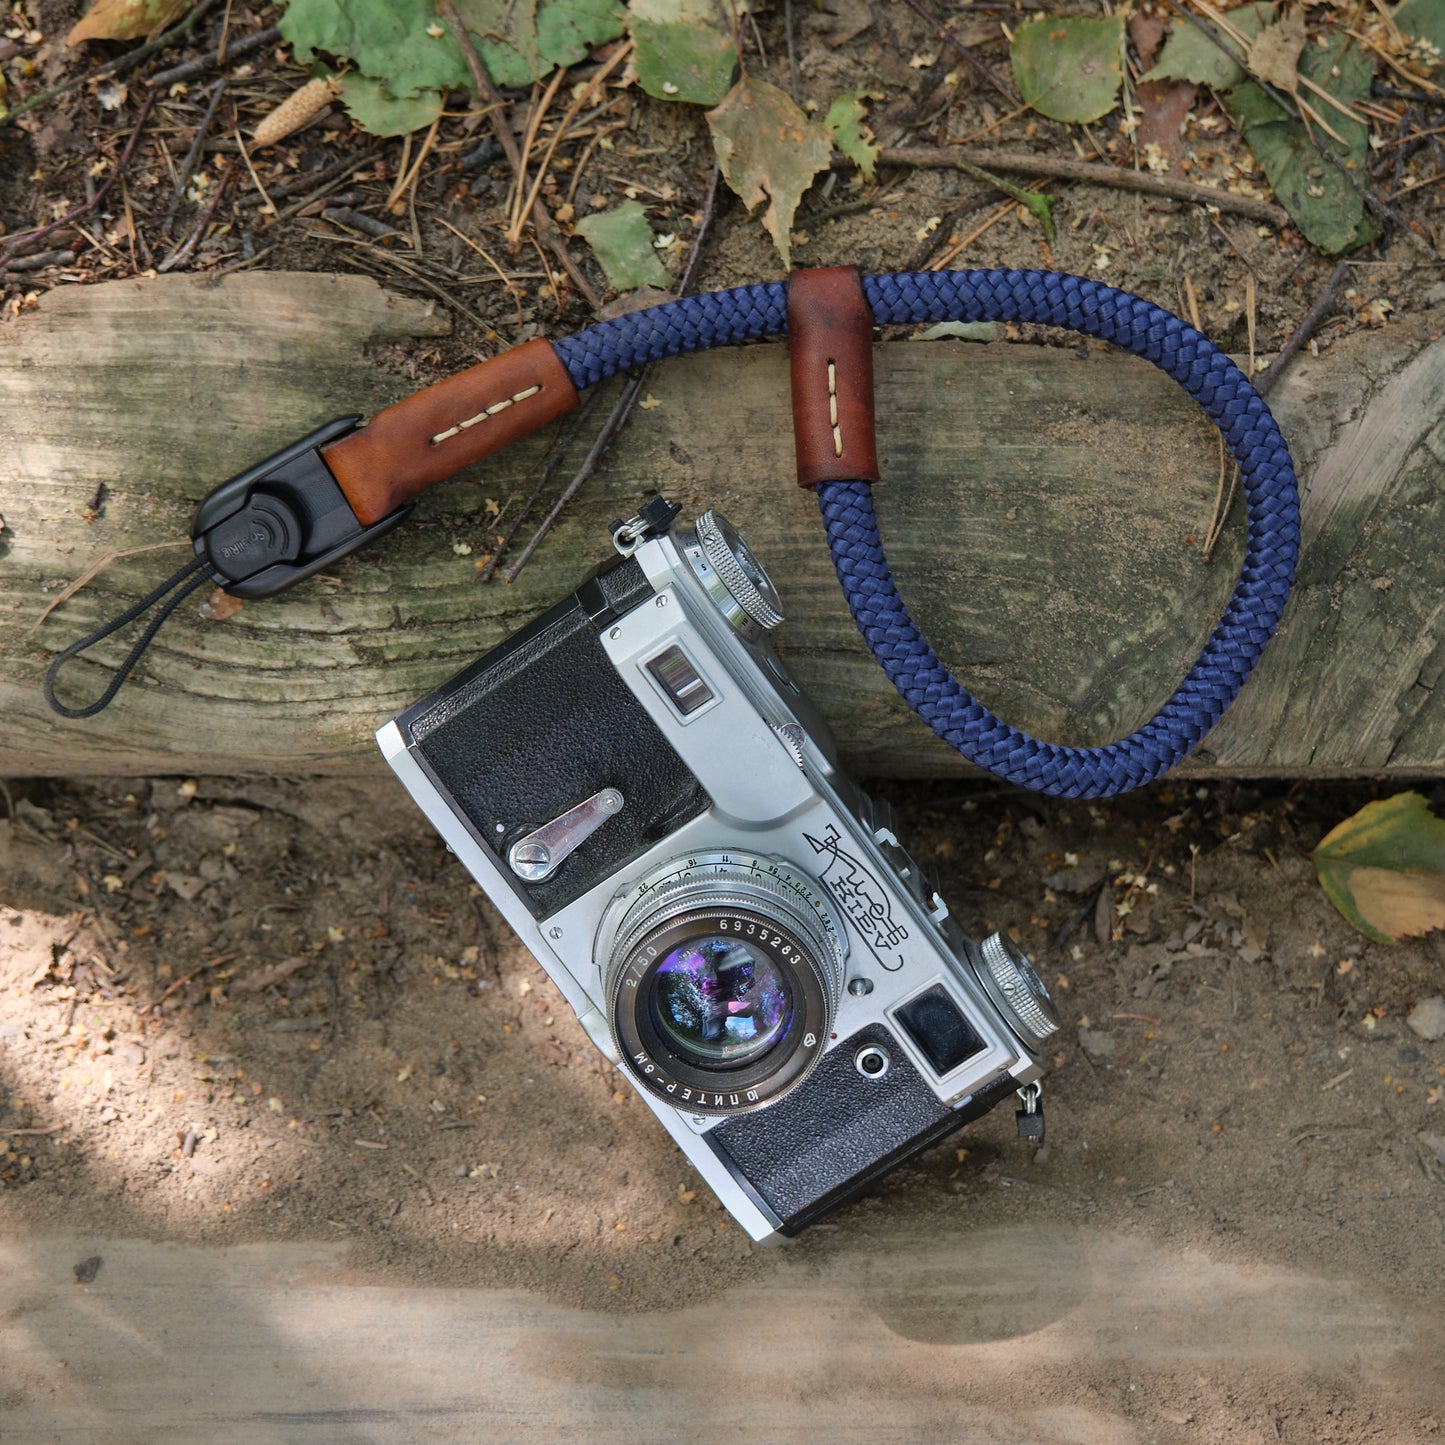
1206,373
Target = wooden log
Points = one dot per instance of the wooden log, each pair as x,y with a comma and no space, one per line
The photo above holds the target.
1044,510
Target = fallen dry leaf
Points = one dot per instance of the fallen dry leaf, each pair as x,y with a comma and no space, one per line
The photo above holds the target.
125,20
1384,868
1274,53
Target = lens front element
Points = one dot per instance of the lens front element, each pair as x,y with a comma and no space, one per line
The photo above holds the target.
722,981
720,1001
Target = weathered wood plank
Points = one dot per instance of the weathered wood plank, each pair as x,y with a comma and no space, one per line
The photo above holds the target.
1044,511
970,1335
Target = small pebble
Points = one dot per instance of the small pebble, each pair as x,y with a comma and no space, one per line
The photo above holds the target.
1427,1018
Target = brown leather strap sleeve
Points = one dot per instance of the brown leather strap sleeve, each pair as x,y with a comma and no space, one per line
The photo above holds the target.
401,451
830,337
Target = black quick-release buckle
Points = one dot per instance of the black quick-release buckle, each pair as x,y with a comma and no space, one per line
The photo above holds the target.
282,520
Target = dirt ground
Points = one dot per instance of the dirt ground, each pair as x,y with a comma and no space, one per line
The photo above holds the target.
242,1014
236,1012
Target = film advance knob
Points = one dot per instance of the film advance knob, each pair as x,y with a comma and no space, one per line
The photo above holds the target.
738,570
1020,988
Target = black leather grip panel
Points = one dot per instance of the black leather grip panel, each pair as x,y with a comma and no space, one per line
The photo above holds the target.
840,1130
541,723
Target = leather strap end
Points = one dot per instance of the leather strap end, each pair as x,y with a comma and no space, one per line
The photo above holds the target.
435,433
830,338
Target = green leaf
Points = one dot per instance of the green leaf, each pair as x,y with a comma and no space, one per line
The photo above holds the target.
1318,192
768,148
847,118
685,50
374,108
387,39
1384,869
1423,20
505,32
623,243
1070,68
1189,54
568,29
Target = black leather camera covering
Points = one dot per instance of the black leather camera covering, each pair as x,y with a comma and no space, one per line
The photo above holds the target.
839,1131
541,723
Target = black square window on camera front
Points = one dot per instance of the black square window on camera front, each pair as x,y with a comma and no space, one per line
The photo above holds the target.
937,1026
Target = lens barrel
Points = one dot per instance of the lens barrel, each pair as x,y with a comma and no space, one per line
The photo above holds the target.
723,981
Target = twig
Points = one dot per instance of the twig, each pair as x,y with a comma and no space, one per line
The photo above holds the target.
1023,164
186,249
941,31
524,209
992,219
529,139
27,239
388,264
512,288
320,180
1304,330
555,458
703,227
268,206
408,178
496,110
192,155
598,450
185,979
367,225
239,51
95,569
1221,507
39,261
621,411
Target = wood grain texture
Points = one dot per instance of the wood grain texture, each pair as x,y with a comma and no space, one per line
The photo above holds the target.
1044,511
979,1335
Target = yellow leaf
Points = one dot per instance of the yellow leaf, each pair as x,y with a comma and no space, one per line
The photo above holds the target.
1384,868
1400,905
126,19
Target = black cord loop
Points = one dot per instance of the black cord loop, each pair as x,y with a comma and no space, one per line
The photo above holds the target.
191,576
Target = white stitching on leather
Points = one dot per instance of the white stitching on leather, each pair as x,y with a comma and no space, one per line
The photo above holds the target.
481,416
833,409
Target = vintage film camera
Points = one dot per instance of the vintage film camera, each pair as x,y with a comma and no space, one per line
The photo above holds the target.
642,790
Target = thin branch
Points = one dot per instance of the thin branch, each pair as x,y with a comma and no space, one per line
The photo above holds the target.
941,31
193,155
162,79
182,253
27,239
497,115
623,408
1023,164
1302,333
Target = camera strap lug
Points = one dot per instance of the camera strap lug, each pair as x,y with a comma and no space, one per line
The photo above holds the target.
282,520
653,519
1030,1113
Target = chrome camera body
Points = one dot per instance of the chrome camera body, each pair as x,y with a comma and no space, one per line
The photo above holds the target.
648,798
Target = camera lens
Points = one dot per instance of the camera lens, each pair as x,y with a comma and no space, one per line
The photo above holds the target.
723,975
719,1001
